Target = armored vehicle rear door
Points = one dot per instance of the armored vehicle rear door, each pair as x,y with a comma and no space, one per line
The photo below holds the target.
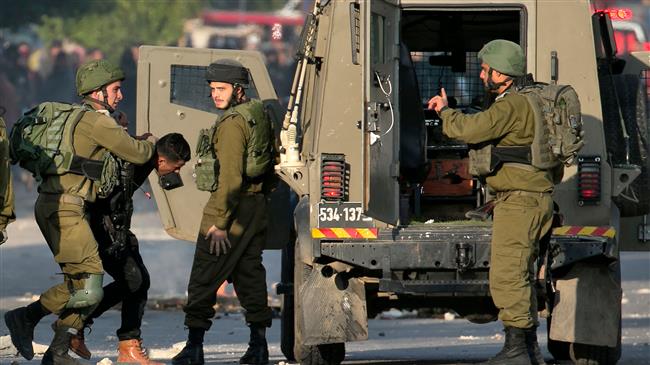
380,32
173,96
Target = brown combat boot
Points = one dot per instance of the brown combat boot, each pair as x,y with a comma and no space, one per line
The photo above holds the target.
132,353
78,345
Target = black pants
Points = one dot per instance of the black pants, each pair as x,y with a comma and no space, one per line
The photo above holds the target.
130,285
242,263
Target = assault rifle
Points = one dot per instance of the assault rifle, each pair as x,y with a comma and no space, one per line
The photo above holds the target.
118,221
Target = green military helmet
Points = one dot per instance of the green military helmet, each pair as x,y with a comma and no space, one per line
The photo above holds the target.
504,56
94,74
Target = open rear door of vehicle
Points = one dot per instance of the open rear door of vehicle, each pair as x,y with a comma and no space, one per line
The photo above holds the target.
173,96
380,49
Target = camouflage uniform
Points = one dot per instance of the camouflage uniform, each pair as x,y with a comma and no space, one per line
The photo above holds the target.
238,206
524,209
61,210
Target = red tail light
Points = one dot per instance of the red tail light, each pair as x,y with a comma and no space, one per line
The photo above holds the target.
588,180
333,177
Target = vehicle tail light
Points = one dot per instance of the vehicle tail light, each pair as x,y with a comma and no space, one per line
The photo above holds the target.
333,177
588,180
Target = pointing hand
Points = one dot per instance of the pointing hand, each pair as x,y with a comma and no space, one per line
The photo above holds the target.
439,101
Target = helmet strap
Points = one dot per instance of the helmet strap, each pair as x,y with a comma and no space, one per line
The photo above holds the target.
491,85
101,102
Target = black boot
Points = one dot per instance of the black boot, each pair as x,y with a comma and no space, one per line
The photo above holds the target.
21,330
258,350
57,353
191,354
514,350
535,354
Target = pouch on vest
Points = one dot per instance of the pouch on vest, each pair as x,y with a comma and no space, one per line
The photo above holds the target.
483,161
206,168
42,142
109,175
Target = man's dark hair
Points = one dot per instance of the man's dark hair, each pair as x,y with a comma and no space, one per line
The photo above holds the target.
173,147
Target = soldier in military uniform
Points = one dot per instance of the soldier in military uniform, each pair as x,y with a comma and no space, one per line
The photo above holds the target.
61,214
110,219
232,231
6,185
524,208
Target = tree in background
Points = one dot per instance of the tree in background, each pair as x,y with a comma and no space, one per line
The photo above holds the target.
113,25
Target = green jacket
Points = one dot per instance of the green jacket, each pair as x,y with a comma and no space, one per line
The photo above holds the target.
94,135
230,143
6,185
509,121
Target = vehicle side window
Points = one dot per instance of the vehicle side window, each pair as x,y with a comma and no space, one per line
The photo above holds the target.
189,88
459,80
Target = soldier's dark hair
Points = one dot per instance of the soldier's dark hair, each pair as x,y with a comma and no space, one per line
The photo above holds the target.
174,147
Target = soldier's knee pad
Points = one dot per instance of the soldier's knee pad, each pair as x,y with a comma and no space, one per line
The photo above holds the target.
91,294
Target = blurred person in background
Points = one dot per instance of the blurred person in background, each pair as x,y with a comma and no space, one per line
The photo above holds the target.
94,54
8,96
58,85
129,64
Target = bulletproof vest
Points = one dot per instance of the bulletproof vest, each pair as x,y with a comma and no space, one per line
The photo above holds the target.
42,143
259,150
558,133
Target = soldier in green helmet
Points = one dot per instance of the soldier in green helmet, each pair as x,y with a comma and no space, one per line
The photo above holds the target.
62,216
232,231
524,208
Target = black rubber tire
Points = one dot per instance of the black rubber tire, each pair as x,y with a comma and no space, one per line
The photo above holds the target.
582,354
287,330
558,349
326,354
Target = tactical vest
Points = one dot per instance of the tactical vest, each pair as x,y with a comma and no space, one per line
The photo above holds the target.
42,142
558,133
259,150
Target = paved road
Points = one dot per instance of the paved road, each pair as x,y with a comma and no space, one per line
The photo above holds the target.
391,341
26,267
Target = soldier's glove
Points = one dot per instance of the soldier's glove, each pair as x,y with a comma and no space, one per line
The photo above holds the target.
3,236
218,241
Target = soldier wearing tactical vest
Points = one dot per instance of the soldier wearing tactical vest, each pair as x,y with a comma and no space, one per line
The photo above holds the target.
524,208
6,185
61,215
233,228
110,221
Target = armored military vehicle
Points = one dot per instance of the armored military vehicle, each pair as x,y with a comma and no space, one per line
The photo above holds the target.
380,195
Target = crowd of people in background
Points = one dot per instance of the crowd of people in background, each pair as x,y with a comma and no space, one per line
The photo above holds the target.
32,74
